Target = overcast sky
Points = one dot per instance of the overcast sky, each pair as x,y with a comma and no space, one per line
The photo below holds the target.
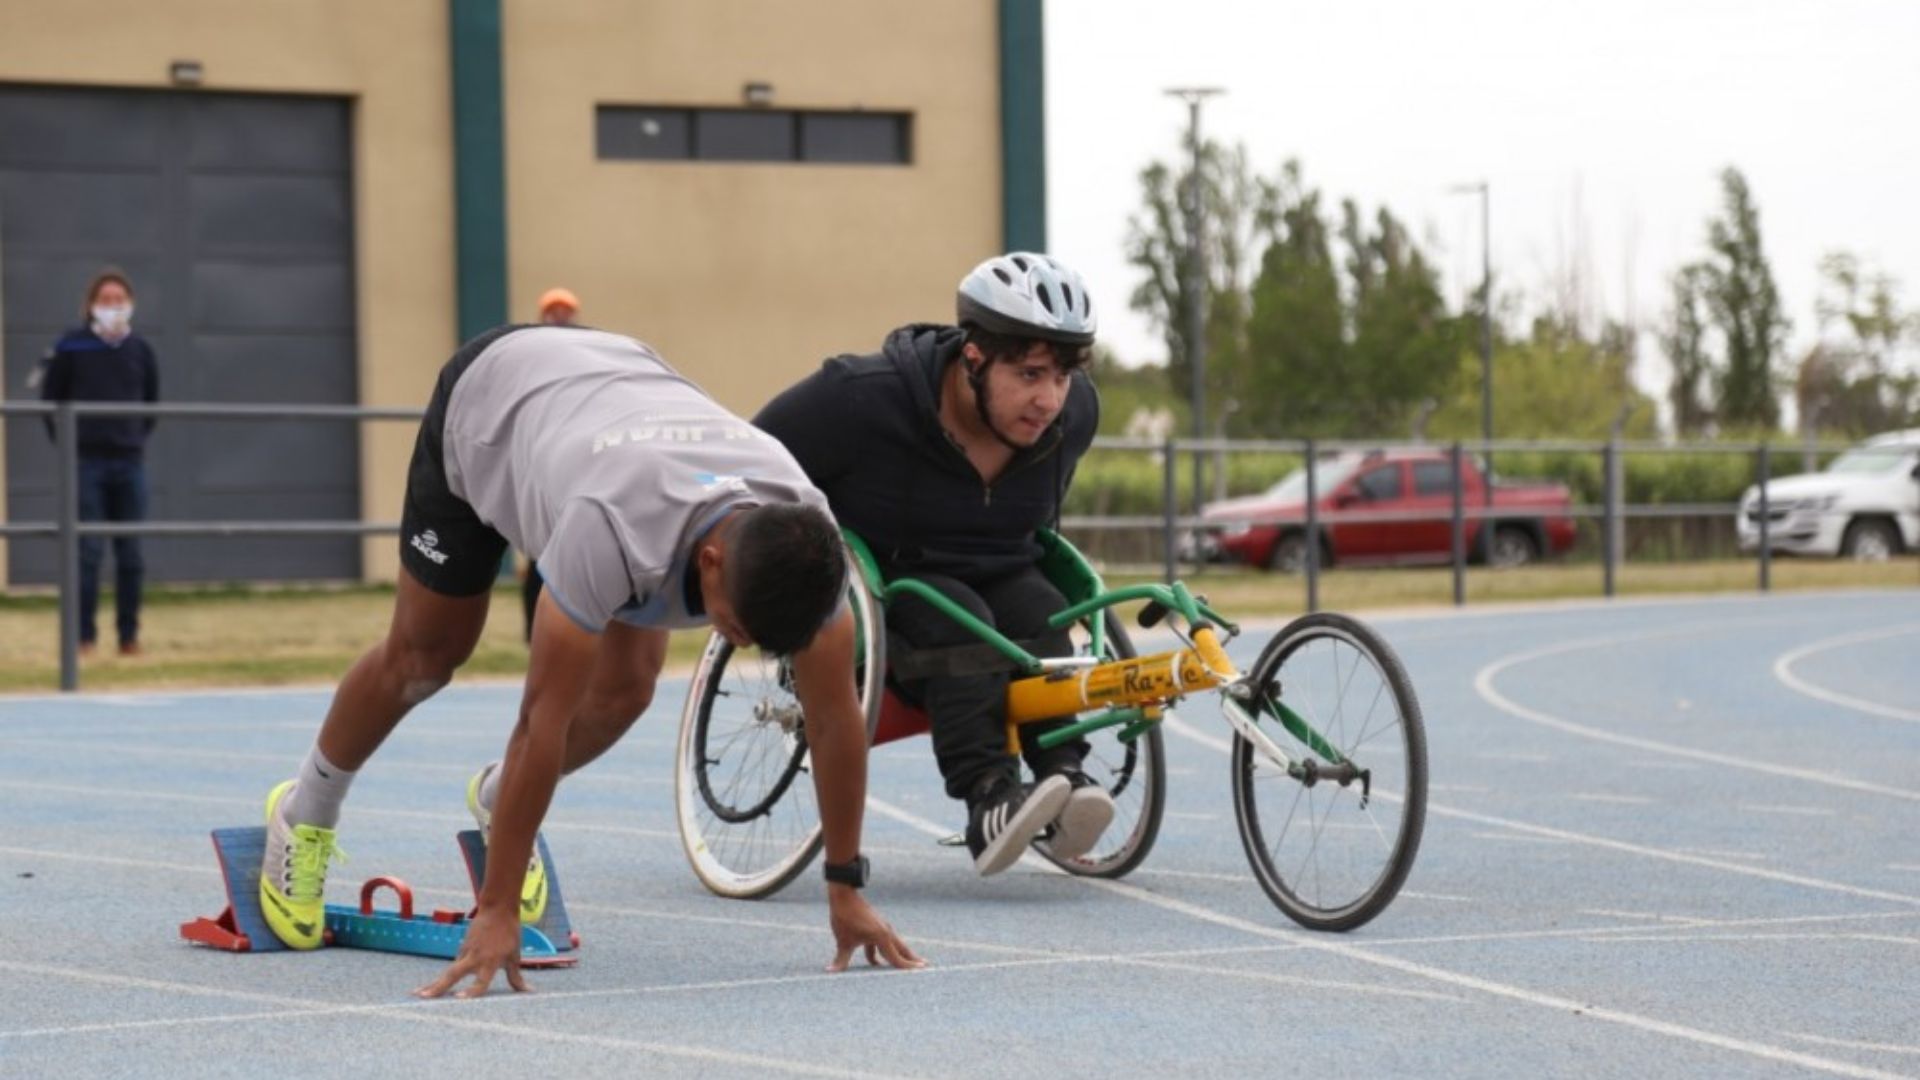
1601,127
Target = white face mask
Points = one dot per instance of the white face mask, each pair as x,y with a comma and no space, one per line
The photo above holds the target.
112,319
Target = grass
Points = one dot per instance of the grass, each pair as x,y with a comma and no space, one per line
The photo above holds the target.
248,636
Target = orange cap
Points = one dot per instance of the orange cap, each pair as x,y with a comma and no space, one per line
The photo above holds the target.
558,297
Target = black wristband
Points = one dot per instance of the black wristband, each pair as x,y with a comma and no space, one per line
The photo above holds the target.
853,873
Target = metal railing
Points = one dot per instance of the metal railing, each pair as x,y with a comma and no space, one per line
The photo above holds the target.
67,528
1611,513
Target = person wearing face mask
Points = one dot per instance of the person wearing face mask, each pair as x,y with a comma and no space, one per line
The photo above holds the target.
104,360
946,451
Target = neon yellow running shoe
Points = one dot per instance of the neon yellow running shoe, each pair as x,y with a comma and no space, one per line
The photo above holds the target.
293,876
533,887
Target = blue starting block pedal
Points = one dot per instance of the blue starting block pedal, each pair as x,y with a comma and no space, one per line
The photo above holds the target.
242,928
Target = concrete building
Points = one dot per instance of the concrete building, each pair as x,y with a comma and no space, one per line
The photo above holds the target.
317,201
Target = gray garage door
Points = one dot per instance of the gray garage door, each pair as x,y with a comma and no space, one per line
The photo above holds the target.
233,215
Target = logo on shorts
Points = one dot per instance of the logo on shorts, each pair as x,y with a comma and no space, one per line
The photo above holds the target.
428,544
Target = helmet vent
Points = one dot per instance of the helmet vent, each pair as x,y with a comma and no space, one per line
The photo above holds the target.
1021,262
1005,278
1066,294
1046,297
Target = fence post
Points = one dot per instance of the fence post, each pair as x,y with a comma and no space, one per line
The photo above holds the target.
1167,509
1766,542
1610,538
1458,529
66,437
1312,562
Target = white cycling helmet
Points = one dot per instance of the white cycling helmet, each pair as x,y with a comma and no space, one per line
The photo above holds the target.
1024,295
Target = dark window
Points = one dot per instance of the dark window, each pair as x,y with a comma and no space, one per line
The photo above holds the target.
1382,483
653,133
647,134
743,135
879,138
1433,477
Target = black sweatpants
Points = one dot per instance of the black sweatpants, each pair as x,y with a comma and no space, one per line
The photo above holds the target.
968,712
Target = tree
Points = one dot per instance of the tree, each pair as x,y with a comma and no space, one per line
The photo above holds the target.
1352,358
1554,384
1745,309
1236,211
1851,381
1683,339
1297,328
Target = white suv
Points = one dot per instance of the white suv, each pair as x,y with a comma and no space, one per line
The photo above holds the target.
1866,505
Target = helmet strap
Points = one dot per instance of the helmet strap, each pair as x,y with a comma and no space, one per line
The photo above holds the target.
977,379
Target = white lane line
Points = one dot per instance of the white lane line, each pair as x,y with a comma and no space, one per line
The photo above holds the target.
1524,756
1722,853
1296,980
1619,800
1781,808
252,806
1783,671
441,1014
1877,939
1445,897
1610,913
1189,817
1855,1044
1483,685
1460,789
1637,928
1441,975
1903,866
1182,728
1515,838
120,747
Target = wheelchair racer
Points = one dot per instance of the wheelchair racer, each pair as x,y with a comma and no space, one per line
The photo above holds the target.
946,451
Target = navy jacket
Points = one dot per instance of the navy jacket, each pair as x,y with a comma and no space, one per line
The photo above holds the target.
81,367
867,431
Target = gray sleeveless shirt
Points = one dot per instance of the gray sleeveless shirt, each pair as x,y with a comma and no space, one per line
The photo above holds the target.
590,454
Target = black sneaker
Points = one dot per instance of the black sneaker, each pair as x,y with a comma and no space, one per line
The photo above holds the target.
1003,821
1084,817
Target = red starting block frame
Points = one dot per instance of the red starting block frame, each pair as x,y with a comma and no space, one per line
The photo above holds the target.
243,928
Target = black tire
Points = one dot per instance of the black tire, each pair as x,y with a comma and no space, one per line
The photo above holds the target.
743,791
1344,891
1513,545
1870,540
1288,555
1135,774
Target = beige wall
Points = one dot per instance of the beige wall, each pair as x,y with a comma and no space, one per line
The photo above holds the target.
388,58
746,276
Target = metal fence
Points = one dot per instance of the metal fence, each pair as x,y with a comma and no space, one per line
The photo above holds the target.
1612,513
67,528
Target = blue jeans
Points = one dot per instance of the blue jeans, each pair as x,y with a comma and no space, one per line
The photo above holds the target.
112,489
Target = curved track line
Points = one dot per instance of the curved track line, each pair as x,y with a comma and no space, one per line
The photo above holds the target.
1301,938
1782,670
1483,685
1548,832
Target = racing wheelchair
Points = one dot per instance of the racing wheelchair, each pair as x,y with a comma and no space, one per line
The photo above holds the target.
1328,757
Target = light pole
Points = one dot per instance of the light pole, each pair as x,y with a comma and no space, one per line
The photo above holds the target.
1194,289
1482,188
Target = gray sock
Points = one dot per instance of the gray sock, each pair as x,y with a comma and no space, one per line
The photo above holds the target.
490,787
317,796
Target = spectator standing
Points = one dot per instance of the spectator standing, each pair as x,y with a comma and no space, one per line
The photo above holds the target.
104,360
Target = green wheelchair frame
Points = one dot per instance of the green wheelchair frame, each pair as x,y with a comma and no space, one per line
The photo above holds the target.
1330,803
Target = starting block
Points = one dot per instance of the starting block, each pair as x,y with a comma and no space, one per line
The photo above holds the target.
242,928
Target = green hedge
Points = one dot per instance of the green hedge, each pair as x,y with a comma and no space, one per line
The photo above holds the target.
1130,482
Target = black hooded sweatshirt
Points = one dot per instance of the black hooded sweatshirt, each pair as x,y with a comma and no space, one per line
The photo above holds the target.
867,431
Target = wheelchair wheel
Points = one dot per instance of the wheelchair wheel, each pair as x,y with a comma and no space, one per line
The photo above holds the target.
1332,848
743,787
1135,774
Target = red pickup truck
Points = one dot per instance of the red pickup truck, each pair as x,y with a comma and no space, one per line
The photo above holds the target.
1386,506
